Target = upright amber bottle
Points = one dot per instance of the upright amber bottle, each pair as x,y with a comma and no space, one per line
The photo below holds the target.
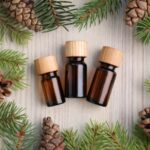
105,76
47,67
76,69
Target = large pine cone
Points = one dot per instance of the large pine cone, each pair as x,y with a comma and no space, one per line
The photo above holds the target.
136,10
4,87
23,12
51,137
145,120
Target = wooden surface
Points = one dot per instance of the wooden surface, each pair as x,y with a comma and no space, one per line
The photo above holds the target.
128,95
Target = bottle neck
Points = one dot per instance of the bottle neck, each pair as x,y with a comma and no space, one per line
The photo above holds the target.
76,59
107,66
49,75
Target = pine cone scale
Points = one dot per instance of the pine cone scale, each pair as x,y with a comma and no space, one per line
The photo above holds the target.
136,10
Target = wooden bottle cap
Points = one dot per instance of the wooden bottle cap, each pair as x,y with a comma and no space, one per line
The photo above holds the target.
76,48
46,64
111,56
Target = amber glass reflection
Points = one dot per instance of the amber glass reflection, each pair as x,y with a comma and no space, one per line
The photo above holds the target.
76,78
52,89
102,84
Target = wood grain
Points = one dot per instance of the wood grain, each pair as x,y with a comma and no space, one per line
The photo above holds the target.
128,95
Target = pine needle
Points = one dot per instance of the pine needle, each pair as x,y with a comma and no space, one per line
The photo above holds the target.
94,11
12,29
98,136
54,14
143,30
12,65
16,132
71,139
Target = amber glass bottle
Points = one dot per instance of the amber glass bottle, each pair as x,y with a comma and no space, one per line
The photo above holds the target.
104,77
47,67
76,69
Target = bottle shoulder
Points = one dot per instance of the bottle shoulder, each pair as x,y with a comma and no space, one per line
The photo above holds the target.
105,70
76,64
50,76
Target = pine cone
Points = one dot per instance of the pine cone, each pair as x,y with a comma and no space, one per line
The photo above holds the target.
51,137
4,87
145,120
23,12
136,10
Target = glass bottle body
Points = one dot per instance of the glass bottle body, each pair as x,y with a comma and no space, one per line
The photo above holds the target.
76,78
52,89
102,84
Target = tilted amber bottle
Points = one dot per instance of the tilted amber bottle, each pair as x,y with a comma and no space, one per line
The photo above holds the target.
105,76
76,69
47,67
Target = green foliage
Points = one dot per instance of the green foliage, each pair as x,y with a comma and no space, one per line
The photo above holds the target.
94,11
71,139
16,132
54,13
141,139
12,29
143,30
12,65
147,84
101,136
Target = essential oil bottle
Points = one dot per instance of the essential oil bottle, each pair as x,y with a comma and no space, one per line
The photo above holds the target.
105,76
76,69
47,68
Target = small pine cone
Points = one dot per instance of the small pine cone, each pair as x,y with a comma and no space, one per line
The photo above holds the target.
4,87
23,12
51,136
136,10
145,120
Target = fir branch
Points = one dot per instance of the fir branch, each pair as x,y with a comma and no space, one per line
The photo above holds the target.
119,139
99,136
71,139
16,131
12,59
17,77
12,65
94,11
54,13
141,138
93,136
143,30
15,31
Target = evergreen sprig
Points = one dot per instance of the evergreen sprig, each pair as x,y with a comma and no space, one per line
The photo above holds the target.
54,13
143,30
16,132
101,136
94,11
12,29
12,65
71,139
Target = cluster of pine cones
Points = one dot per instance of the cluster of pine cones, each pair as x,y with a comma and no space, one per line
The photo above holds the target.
51,136
136,10
23,12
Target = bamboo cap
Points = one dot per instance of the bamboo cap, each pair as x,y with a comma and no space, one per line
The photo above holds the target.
76,48
46,64
111,56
